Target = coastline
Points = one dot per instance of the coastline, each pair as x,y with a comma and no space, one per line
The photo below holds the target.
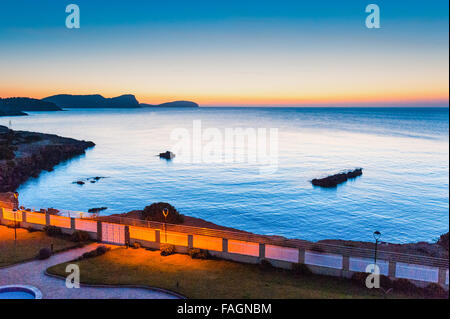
27,154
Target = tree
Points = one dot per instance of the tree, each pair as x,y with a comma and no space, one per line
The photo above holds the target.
154,212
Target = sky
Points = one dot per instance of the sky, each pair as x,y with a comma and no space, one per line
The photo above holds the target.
229,53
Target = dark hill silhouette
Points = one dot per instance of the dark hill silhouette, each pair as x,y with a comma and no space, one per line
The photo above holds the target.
172,104
93,101
16,106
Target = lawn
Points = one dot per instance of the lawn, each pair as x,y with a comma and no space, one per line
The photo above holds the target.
208,279
28,245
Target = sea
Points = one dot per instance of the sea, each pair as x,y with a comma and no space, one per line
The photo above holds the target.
251,168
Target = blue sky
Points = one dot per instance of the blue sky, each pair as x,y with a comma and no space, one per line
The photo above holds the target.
228,52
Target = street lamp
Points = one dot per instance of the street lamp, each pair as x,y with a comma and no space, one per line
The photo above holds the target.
165,214
376,236
15,226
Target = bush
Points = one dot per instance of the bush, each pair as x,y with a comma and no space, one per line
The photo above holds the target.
407,287
196,253
154,212
44,253
89,254
264,264
53,231
435,291
136,245
301,269
101,250
167,250
443,241
79,236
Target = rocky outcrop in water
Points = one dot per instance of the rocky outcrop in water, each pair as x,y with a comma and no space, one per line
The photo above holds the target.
167,155
27,154
335,180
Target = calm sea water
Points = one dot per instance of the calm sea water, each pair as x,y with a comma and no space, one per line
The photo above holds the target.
404,192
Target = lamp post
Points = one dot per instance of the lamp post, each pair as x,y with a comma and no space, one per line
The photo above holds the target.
165,214
15,226
376,235
16,196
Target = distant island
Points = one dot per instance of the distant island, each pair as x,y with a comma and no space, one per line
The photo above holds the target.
173,104
16,106
93,101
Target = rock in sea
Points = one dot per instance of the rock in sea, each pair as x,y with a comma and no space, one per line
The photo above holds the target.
334,180
167,155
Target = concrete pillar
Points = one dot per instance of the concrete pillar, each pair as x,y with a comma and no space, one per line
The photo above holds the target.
346,266
72,223
158,236
301,256
224,245
99,231
47,219
392,268
346,263
443,276
262,251
190,241
127,235
24,216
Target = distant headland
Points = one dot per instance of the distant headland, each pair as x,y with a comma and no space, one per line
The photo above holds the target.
18,106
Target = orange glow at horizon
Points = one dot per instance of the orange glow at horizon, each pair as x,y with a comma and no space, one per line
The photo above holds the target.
254,99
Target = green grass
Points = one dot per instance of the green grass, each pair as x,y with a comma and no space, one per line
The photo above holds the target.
27,246
211,279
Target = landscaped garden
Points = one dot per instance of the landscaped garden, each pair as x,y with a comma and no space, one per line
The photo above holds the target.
28,244
213,278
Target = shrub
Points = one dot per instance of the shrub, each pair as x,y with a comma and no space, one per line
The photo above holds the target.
301,269
89,254
101,250
443,241
435,291
407,287
136,245
44,253
167,250
154,212
79,236
264,264
196,253
53,231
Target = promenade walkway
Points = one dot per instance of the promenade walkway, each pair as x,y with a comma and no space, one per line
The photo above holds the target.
33,273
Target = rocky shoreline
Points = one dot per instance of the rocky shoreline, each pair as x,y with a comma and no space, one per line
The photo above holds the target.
27,154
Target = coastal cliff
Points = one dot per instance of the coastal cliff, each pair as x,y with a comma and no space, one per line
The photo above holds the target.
17,105
93,101
27,154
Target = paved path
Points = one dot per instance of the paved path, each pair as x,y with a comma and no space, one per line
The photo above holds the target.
32,273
